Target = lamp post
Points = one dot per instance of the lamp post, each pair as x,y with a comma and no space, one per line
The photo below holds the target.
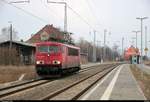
94,47
141,19
104,51
99,43
99,46
10,45
65,17
65,11
149,47
146,49
136,36
132,41
122,47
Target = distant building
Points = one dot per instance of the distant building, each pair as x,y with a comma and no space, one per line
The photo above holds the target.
47,33
84,58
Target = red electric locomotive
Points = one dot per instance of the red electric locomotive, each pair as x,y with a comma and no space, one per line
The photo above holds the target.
56,58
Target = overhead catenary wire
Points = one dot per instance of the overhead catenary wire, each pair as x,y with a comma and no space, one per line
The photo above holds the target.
93,14
51,10
83,19
24,1
27,12
45,21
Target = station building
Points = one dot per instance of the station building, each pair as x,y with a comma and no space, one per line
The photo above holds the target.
20,53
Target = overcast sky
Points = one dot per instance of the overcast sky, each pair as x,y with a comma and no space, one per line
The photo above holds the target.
117,16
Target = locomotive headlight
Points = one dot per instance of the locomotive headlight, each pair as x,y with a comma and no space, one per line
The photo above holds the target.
39,62
56,62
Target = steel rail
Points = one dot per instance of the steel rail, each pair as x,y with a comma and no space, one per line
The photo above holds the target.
35,85
51,95
39,79
90,86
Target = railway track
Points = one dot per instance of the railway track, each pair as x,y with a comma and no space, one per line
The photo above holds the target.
39,79
7,91
36,80
21,87
63,93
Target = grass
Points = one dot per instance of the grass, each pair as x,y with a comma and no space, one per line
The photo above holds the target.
12,73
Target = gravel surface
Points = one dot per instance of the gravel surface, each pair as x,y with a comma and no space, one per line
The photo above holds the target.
11,74
72,92
43,90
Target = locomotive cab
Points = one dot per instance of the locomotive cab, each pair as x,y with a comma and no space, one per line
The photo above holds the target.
56,58
48,59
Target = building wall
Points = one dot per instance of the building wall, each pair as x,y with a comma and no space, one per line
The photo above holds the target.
18,55
47,33
84,58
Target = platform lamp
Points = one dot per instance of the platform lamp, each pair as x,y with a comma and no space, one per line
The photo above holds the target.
141,19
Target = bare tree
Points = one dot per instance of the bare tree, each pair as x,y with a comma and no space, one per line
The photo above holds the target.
87,47
5,34
116,54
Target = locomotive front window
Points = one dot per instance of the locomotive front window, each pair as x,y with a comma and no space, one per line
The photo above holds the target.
43,48
49,49
54,49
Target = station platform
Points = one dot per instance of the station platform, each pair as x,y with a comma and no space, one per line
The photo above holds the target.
120,84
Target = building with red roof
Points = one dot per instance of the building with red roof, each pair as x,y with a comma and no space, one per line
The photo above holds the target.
47,33
130,52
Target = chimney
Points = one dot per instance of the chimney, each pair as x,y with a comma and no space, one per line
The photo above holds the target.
21,40
51,25
32,35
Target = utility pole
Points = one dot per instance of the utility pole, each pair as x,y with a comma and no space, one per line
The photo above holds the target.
132,41
94,47
65,15
146,41
136,36
99,53
99,43
21,1
141,19
122,47
10,36
104,52
10,45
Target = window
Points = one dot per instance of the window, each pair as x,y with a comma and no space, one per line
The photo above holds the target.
50,49
73,52
54,49
42,49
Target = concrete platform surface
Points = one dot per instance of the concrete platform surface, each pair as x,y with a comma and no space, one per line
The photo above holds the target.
120,84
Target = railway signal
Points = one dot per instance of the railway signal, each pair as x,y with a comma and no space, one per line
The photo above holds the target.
146,49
